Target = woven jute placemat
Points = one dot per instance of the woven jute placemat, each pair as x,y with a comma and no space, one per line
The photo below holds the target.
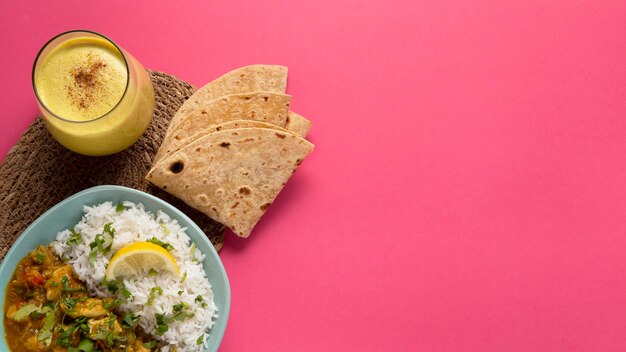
38,172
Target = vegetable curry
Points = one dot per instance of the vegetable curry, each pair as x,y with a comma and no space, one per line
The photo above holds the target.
48,309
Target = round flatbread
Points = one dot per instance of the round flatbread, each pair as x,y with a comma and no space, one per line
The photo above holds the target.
259,106
232,176
176,145
253,78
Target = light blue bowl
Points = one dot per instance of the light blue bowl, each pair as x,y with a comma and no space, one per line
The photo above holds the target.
69,212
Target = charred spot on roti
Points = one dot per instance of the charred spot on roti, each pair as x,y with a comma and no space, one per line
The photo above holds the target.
247,98
177,137
198,149
205,181
177,167
265,206
187,186
248,140
202,198
266,98
235,134
203,112
235,205
224,144
298,161
218,128
244,190
280,135
214,209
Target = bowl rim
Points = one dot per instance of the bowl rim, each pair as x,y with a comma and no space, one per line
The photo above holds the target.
223,313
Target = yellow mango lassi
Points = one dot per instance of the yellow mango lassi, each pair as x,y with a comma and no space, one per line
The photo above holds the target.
96,99
82,79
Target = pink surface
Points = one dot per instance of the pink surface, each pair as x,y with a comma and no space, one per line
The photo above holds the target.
468,188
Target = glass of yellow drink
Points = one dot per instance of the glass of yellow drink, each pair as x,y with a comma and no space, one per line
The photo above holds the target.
95,98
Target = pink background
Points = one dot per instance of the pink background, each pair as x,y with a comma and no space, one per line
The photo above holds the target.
468,188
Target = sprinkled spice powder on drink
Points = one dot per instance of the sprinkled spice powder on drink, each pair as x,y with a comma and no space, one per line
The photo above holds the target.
87,84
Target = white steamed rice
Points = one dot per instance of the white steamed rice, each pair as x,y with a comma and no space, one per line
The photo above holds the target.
136,224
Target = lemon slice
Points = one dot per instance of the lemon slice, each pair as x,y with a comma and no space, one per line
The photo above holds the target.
140,257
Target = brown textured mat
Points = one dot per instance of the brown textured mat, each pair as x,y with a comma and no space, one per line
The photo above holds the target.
38,172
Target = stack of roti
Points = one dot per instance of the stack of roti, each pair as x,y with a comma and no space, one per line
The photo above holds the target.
232,146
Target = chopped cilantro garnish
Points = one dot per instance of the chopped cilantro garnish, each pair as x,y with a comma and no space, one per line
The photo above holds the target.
120,207
65,334
200,300
92,256
75,237
200,340
150,345
184,277
131,319
179,312
39,257
161,324
111,285
82,325
153,293
69,302
106,332
179,307
102,243
25,311
180,292
181,316
125,291
109,303
158,242
192,252
86,345
107,335
109,230
111,320
45,333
